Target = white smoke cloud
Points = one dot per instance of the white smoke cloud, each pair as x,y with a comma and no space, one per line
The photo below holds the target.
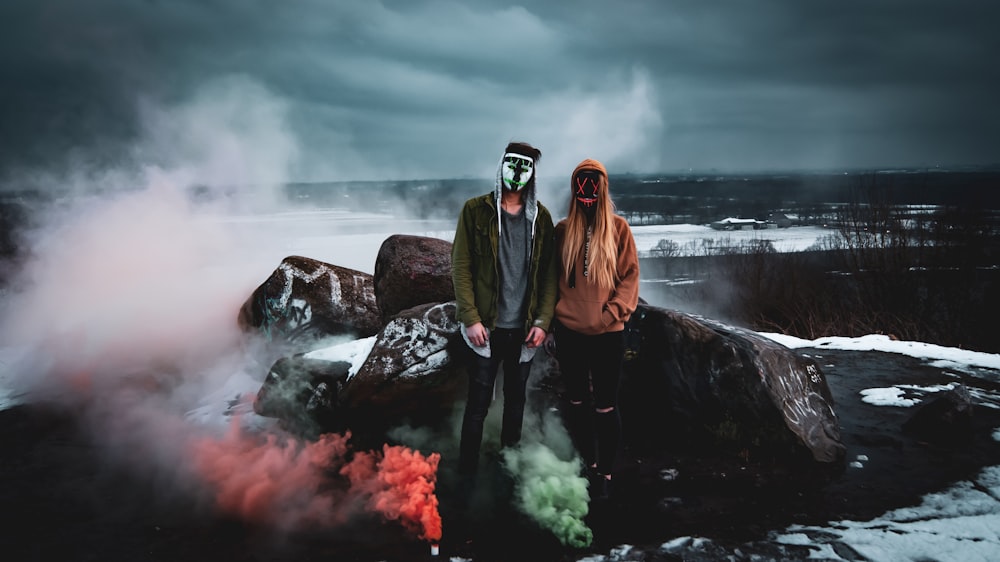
618,126
125,309
232,135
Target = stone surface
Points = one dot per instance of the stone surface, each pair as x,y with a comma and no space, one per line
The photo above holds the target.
302,392
412,270
306,300
700,379
948,417
411,371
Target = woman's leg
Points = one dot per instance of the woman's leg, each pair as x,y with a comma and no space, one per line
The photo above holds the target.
608,358
572,351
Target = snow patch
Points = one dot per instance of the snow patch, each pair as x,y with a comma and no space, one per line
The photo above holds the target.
354,352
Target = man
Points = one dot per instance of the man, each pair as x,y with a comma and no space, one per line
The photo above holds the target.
503,269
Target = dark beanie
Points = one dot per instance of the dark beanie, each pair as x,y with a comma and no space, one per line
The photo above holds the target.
524,149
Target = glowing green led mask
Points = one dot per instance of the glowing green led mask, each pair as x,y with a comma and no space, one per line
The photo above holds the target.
516,171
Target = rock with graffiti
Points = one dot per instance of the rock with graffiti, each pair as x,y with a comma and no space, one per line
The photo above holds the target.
411,372
695,378
306,301
714,383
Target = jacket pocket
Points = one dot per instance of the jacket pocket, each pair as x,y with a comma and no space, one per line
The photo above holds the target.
481,245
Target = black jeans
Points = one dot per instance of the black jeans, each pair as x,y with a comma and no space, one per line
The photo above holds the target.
592,369
505,346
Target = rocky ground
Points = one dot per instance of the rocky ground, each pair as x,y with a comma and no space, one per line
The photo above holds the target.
63,501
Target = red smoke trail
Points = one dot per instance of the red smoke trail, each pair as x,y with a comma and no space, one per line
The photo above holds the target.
290,484
273,481
401,485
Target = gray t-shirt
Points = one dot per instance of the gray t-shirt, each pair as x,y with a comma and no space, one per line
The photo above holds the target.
514,240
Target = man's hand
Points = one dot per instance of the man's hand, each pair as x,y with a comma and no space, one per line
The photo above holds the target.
535,337
478,334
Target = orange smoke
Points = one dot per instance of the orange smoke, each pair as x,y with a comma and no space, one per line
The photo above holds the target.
291,484
401,486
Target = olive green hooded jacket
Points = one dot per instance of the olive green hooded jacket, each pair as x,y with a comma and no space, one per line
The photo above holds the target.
474,261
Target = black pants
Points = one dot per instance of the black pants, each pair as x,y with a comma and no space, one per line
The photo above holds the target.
592,369
505,346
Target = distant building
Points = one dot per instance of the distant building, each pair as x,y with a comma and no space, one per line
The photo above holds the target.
738,224
781,220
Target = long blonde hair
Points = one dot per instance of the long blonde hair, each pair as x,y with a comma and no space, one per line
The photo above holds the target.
603,254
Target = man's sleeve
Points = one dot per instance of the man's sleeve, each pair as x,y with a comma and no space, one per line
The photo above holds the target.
461,270
547,281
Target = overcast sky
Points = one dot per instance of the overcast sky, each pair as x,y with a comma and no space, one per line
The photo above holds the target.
313,90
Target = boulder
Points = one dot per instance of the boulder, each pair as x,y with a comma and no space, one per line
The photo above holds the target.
947,418
704,381
305,300
411,371
410,271
302,392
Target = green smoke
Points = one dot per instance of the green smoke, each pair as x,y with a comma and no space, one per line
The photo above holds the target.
551,492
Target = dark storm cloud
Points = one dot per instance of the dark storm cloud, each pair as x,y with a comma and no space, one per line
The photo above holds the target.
431,88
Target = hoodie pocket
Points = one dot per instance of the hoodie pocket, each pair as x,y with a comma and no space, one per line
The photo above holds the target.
584,316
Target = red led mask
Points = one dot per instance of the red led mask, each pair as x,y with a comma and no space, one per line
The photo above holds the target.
585,185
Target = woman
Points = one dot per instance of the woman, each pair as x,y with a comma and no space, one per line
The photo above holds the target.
598,291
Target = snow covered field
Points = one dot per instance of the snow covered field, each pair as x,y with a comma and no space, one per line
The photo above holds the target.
352,240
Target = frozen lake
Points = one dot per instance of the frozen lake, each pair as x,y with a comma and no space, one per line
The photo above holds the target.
352,240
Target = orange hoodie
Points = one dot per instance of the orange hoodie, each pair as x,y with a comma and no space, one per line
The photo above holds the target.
589,309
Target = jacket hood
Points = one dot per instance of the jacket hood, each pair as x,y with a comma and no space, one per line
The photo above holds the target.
590,164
